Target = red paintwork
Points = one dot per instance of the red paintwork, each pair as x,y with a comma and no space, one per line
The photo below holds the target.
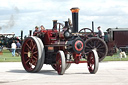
79,62
51,38
78,41
77,58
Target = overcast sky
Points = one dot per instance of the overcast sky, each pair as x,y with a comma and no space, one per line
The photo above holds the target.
17,15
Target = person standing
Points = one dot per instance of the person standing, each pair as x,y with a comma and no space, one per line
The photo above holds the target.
18,45
13,47
36,31
100,33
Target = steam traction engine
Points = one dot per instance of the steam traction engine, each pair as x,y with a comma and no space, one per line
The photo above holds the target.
59,47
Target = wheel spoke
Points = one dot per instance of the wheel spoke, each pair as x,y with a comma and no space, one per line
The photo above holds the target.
101,47
28,46
28,60
98,46
31,43
97,43
36,52
35,58
90,45
26,53
34,46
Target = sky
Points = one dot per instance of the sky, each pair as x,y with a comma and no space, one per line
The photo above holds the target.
17,15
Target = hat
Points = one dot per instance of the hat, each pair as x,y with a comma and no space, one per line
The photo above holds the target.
36,26
99,27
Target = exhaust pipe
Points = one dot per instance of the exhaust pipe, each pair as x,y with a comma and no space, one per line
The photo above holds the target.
21,36
66,24
30,32
55,24
92,26
75,19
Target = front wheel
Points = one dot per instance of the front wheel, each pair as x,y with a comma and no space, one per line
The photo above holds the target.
60,62
93,61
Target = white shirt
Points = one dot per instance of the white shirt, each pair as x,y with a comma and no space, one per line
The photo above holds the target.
102,33
13,45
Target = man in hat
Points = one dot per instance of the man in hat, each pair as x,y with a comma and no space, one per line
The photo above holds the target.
100,32
36,31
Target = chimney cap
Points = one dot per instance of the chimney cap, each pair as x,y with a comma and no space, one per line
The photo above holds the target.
75,10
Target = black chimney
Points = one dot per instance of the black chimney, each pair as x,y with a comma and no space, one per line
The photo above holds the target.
75,19
55,24
30,32
66,24
92,26
21,36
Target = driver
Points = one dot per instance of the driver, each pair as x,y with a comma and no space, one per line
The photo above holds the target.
42,29
36,31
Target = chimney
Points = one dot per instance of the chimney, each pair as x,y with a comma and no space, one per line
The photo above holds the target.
92,26
30,32
66,24
21,36
75,19
55,24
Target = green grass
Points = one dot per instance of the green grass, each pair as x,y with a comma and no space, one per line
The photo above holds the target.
115,58
7,57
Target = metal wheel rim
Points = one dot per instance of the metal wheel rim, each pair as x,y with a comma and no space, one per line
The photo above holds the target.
60,62
93,62
100,46
32,51
28,57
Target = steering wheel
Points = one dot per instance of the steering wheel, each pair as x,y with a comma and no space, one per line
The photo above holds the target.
85,34
61,26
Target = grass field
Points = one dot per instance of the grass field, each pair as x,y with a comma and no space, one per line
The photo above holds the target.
7,57
115,58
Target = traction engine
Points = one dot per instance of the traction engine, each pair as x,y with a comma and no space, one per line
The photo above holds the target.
61,46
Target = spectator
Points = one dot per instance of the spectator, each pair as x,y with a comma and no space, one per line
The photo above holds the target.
36,31
18,47
18,44
13,47
100,32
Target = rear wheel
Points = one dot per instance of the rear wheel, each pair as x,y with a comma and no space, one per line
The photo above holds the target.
93,62
32,54
100,46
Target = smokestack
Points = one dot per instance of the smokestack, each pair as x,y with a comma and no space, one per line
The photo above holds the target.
55,24
21,36
66,24
92,26
30,32
75,19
